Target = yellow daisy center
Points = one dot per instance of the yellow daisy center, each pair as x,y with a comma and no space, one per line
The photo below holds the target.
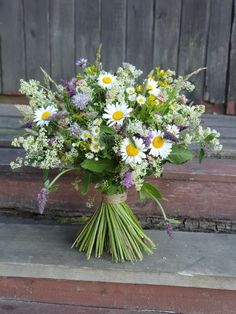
132,150
118,115
158,142
45,115
150,87
106,80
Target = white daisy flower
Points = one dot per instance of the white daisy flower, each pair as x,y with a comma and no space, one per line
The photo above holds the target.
97,122
132,97
116,113
89,155
85,135
95,130
130,90
173,129
141,99
95,147
160,146
106,80
151,85
131,153
43,114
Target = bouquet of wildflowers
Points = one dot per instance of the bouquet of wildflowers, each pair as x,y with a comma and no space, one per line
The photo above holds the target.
114,131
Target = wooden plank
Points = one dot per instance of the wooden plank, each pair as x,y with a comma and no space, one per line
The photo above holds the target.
22,307
62,39
12,45
218,50
154,298
113,32
9,111
167,31
231,105
140,19
193,40
87,28
10,122
37,37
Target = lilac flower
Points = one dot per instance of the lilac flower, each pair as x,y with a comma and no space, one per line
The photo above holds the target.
69,86
169,228
82,62
42,200
75,129
147,140
28,125
182,127
57,116
170,136
80,100
127,179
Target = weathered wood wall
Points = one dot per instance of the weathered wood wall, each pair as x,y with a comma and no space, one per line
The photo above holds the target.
179,34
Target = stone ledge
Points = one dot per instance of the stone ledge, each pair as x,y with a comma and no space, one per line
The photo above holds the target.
189,260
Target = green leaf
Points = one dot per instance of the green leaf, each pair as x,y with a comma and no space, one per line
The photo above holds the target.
85,183
209,138
201,154
179,155
98,166
149,191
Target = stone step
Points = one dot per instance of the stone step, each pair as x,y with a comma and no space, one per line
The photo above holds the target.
191,273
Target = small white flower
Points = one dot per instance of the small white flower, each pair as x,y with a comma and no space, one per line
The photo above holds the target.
132,97
95,139
85,135
95,130
89,155
43,114
95,147
116,113
162,96
173,129
106,80
97,122
130,90
151,85
132,152
159,146
141,99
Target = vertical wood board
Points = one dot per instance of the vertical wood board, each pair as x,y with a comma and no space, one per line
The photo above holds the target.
167,32
62,39
12,45
113,32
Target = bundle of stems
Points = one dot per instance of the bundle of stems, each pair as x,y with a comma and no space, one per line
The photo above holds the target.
115,229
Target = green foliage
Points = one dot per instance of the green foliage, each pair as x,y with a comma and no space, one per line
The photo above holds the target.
149,191
179,155
99,166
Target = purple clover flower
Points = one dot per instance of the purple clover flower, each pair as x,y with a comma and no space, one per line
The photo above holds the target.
82,62
42,200
75,129
127,179
169,228
170,136
80,100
